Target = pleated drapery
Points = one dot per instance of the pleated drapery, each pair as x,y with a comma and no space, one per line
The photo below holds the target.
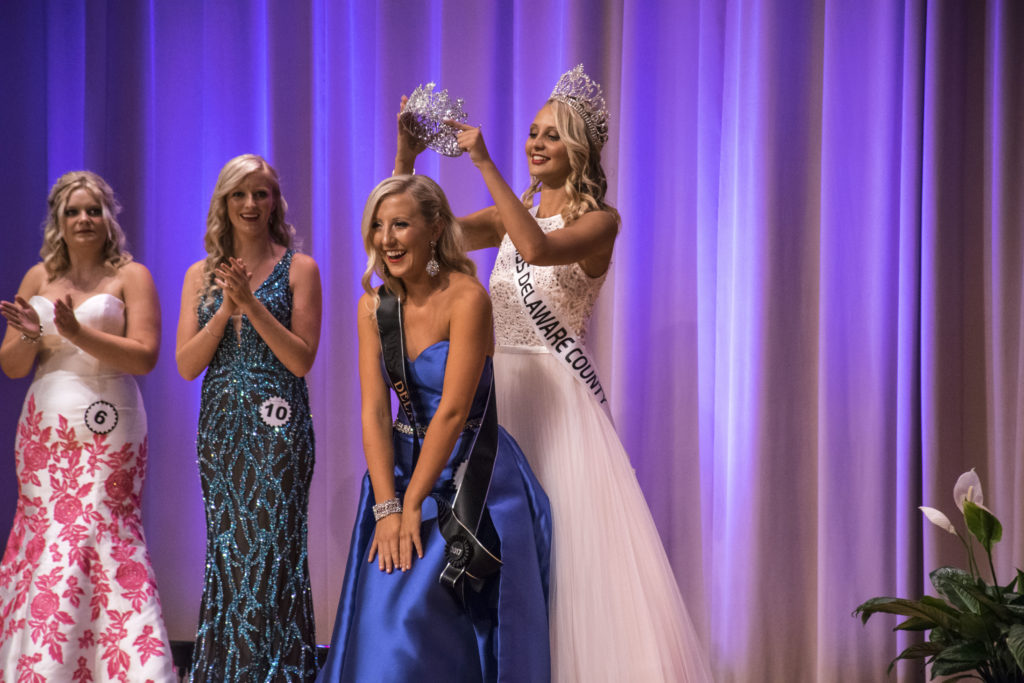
815,317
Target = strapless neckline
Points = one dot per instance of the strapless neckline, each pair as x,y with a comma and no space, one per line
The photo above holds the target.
81,303
427,349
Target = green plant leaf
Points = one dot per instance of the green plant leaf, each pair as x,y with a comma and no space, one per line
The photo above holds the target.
916,651
939,604
939,615
992,607
971,594
983,525
957,586
978,627
915,624
1015,643
943,636
960,657
920,651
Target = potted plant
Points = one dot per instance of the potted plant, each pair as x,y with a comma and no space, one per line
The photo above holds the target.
976,628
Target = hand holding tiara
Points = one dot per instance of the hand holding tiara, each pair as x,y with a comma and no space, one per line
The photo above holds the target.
424,116
471,140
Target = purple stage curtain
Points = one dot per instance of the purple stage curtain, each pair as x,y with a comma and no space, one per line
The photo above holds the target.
815,317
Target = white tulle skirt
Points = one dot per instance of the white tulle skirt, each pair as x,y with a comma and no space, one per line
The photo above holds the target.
616,613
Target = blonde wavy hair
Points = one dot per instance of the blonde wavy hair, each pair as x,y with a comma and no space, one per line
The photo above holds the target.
54,251
586,185
219,239
433,205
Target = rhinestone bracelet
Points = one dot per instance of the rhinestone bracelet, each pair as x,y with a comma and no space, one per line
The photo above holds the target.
32,340
388,507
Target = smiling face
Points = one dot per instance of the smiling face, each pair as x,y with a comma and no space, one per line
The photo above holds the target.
545,150
251,205
401,236
82,220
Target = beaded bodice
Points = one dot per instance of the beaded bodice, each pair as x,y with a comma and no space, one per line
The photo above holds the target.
244,350
566,288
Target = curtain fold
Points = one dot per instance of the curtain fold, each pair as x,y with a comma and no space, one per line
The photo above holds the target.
815,316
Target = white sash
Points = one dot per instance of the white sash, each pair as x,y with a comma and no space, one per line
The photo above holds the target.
556,335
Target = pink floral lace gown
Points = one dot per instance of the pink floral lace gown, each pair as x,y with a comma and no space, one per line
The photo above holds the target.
78,598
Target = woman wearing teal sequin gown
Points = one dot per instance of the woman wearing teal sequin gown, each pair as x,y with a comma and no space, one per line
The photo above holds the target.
250,316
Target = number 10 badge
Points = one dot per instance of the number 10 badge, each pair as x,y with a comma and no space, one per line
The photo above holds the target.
276,411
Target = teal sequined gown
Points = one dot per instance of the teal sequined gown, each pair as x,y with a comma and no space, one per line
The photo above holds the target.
255,447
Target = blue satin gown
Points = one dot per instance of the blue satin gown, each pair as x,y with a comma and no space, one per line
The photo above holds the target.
405,626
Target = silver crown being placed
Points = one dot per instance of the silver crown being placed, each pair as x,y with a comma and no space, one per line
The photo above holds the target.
584,95
424,115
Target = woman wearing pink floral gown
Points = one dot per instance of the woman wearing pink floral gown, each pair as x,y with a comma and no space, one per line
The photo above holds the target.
78,598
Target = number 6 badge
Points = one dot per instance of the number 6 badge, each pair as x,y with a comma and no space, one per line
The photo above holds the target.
276,411
101,417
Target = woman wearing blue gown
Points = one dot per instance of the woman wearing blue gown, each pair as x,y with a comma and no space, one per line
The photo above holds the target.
250,317
396,621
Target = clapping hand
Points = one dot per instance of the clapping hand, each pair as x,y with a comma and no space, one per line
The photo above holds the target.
233,277
64,318
21,316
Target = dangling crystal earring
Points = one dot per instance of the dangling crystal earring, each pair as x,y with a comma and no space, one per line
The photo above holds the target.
433,267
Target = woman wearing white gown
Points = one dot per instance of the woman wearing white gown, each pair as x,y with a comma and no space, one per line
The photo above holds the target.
78,598
616,613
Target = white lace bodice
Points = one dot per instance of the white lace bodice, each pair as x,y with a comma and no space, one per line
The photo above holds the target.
104,312
566,288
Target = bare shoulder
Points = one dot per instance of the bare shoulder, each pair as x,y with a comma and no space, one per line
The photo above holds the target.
193,281
599,221
195,270
366,307
134,273
34,279
466,293
304,263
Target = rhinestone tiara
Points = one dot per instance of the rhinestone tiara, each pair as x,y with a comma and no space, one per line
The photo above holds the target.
424,115
585,96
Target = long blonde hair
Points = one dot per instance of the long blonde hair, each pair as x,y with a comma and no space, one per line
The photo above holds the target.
433,206
54,251
586,185
219,240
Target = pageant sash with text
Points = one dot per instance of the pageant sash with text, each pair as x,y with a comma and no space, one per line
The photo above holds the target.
558,337
464,523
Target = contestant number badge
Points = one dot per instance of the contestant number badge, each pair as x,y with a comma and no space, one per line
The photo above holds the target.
276,411
101,417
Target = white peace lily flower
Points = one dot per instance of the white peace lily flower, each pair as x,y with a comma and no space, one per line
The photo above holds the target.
938,519
968,487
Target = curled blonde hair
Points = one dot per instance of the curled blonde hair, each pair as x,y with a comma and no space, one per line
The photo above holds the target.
586,185
433,206
54,251
219,239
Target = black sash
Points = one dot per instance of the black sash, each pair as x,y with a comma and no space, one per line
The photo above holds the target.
465,521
